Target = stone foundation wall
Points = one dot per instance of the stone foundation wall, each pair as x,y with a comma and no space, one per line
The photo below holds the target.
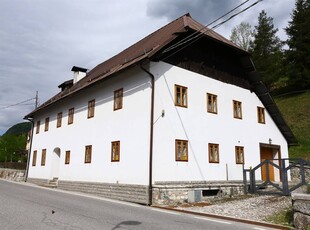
37,181
301,208
12,174
125,192
164,193
175,193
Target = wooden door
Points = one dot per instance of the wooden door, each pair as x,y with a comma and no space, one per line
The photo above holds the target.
267,154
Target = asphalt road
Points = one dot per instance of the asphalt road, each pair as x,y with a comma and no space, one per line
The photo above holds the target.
24,206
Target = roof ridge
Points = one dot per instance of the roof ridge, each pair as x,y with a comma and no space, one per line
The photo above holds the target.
185,21
199,27
183,17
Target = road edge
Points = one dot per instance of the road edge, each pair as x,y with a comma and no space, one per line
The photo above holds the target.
258,223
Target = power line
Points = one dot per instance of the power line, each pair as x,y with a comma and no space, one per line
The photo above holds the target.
19,103
36,104
198,31
191,39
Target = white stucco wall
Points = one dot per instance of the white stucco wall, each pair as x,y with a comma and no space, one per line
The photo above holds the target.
129,125
199,127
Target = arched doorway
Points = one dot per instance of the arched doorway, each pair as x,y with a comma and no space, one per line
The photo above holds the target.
55,162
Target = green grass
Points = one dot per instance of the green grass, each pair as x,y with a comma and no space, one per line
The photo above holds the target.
296,111
285,217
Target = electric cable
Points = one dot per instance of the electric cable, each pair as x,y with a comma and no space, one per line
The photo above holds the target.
198,31
19,103
199,35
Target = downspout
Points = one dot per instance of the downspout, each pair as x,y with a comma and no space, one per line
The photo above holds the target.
30,147
150,191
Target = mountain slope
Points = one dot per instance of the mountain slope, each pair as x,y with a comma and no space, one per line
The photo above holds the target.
296,111
20,128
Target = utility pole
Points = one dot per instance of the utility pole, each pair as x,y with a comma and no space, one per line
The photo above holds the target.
37,100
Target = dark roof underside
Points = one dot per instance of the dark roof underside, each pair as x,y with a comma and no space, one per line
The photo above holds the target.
263,94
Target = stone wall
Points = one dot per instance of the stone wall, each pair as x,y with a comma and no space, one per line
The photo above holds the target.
37,181
164,193
125,192
301,208
175,193
295,174
12,174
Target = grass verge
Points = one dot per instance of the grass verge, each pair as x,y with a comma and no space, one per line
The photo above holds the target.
285,218
295,109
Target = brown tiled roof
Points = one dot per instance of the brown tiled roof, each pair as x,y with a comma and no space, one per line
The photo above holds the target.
148,47
145,48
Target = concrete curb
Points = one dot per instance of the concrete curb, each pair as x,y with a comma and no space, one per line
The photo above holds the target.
263,224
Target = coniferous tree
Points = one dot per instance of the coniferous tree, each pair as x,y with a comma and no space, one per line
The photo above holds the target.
266,50
298,54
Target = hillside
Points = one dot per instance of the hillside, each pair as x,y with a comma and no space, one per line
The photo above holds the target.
296,111
13,143
20,128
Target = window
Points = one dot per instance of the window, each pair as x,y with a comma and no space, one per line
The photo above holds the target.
43,157
239,154
67,157
180,94
237,109
34,158
211,103
70,116
47,120
115,151
181,150
214,156
118,99
59,117
261,115
38,127
91,109
88,149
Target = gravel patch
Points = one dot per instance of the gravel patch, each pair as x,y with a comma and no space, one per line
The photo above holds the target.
255,208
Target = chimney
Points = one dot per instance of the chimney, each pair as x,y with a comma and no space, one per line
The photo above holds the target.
78,73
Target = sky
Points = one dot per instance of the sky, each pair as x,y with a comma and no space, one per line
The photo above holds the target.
41,40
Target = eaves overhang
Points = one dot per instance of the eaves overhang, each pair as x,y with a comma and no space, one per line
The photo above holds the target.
263,94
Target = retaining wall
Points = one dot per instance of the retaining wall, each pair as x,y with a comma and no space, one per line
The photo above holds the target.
174,193
12,174
295,174
301,208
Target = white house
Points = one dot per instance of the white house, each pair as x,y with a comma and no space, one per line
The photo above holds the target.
182,109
